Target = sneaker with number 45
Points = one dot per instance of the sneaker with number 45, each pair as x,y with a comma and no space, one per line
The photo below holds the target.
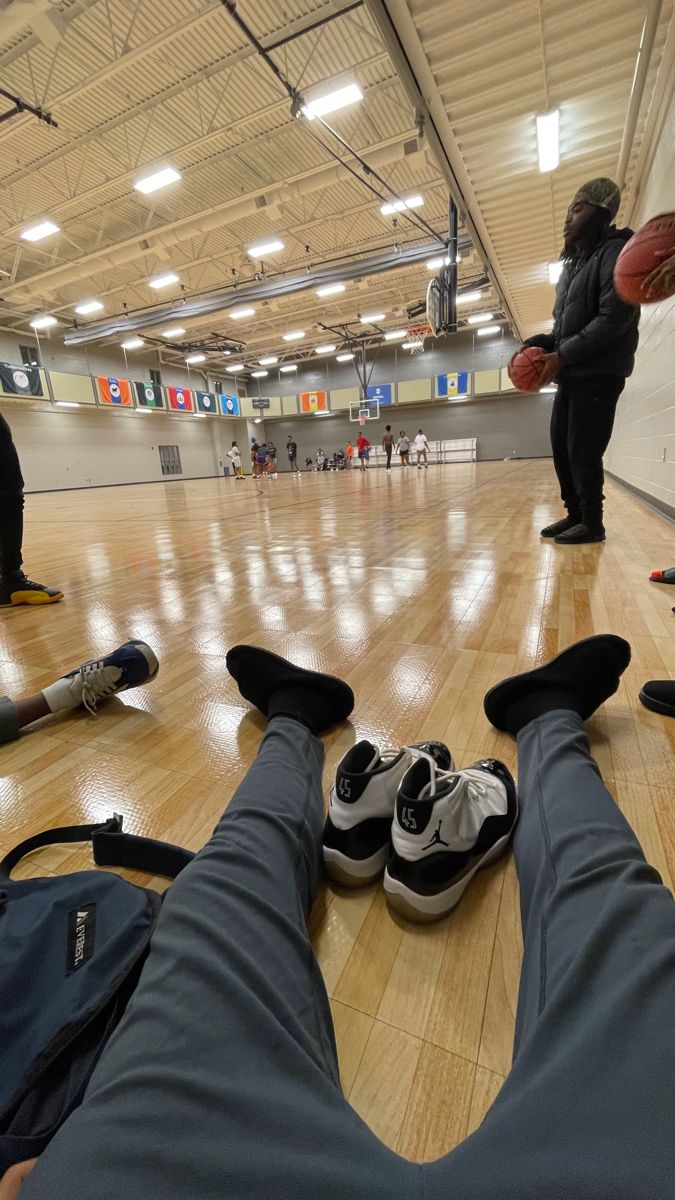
448,825
356,836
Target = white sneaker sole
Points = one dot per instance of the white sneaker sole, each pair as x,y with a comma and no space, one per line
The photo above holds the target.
352,872
430,908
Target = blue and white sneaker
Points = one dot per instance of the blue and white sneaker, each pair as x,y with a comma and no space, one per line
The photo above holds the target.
130,666
448,824
356,836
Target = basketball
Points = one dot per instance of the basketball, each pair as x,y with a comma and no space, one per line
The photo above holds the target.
524,369
645,251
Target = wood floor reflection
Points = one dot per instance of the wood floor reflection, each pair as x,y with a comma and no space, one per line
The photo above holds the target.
421,589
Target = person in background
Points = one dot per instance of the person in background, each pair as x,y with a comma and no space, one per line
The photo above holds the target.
292,451
363,450
388,445
261,458
349,455
234,454
320,460
422,448
272,460
403,448
340,459
15,588
590,352
254,455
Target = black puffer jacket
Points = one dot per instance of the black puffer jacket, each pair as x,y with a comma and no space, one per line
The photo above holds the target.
594,332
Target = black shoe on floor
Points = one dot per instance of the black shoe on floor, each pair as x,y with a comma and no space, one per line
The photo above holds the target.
551,531
278,688
19,590
659,696
581,678
579,534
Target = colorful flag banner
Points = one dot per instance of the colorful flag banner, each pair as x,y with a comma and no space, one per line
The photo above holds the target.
313,402
114,391
229,406
180,399
206,403
20,381
149,395
455,383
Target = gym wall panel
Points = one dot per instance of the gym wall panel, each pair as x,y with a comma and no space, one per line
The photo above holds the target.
78,389
341,398
412,391
506,384
485,381
289,406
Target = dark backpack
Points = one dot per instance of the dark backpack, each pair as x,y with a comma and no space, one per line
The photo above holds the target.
71,952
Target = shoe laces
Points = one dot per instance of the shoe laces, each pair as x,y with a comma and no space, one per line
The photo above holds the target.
98,681
473,787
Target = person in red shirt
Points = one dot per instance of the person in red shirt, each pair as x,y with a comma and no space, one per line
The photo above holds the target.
363,450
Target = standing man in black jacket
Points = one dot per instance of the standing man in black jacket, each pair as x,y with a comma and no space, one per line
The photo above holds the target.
590,353
14,587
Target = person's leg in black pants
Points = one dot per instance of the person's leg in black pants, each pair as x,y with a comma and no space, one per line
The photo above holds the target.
560,417
387,451
592,407
14,587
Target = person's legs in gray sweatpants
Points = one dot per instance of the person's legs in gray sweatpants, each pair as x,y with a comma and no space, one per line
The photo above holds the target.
222,1079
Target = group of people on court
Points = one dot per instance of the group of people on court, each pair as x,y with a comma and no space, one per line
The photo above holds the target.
343,459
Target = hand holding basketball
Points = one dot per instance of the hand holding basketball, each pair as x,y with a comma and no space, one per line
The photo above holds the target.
661,280
525,368
637,275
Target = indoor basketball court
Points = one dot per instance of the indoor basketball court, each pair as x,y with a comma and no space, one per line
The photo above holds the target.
228,231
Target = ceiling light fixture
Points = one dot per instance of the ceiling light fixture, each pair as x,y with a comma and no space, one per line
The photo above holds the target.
175,331
238,314
44,322
332,101
195,358
89,306
43,229
470,298
234,367
371,318
434,264
395,335
344,357
331,289
327,349
163,280
395,206
487,330
555,271
268,361
158,179
480,318
263,248
289,367
294,336
259,374
133,344
548,149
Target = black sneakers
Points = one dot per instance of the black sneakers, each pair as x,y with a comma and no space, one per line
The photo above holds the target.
20,590
551,531
579,535
356,837
448,824
659,696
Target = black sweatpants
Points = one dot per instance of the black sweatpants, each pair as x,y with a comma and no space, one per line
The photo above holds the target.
581,426
11,504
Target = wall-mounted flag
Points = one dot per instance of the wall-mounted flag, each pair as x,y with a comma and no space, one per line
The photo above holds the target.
180,399
313,402
229,406
149,395
206,403
455,383
20,381
114,391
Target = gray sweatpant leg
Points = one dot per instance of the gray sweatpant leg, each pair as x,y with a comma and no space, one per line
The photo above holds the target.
9,725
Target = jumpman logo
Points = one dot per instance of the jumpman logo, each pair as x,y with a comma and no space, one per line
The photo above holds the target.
436,839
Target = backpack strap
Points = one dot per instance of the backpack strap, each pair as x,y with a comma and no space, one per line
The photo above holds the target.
111,848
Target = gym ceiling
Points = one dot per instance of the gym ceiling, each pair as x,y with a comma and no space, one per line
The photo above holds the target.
450,99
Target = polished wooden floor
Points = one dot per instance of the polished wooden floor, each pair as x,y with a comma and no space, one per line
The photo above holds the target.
422,589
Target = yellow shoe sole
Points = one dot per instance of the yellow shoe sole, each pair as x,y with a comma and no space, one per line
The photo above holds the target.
31,598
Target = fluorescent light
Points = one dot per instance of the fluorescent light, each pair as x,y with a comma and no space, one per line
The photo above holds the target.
294,335
435,263
238,314
163,280
175,331
327,349
330,102
89,306
132,344
331,289
268,361
234,367
548,140
159,179
371,318
554,271
399,205
344,357
289,367
226,353
408,345
195,358
480,318
74,404
487,330
395,335
263,248
259,374
469,298
43,322
35,233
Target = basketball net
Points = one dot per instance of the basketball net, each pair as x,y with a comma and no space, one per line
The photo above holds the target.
416,336
362,420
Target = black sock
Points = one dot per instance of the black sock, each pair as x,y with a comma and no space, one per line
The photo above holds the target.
535,703
301,704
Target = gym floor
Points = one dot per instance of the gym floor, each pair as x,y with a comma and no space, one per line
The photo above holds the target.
421,589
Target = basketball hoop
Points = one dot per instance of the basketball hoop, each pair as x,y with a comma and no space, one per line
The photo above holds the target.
416,336
362,419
